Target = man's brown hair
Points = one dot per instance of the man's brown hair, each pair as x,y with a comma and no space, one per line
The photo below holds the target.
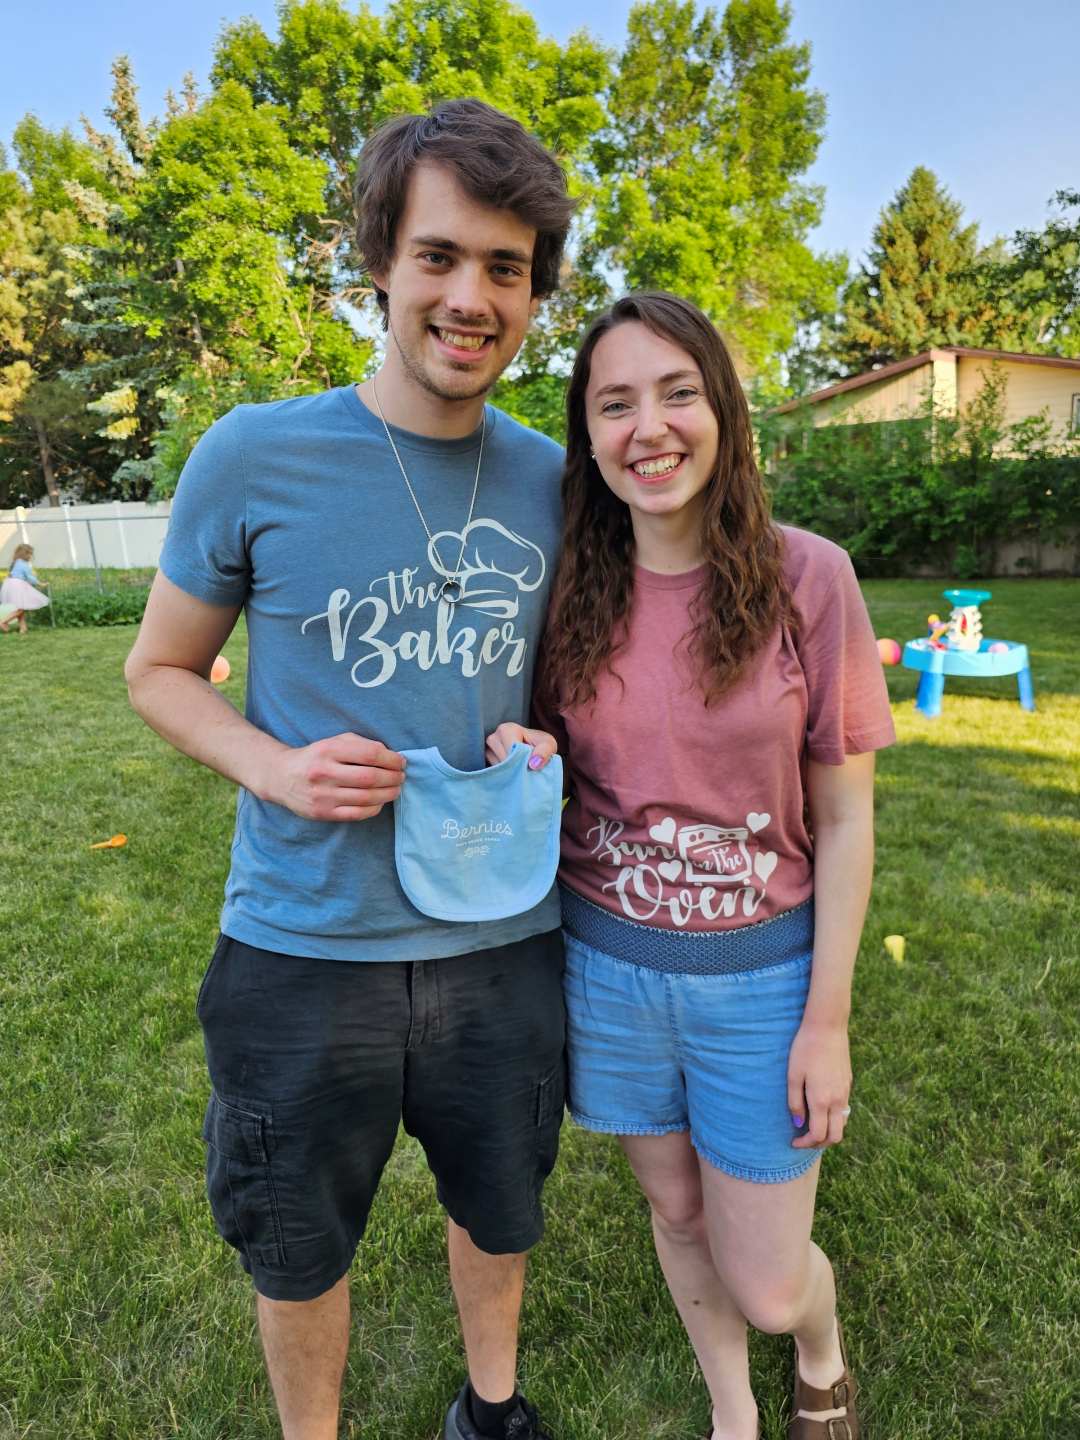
491,156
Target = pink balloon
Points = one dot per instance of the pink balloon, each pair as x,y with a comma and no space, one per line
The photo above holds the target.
889,651
999,647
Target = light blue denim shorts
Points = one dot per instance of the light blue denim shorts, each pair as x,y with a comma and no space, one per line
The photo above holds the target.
653,1051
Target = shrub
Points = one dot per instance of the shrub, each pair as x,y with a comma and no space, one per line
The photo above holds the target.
84,609
931,490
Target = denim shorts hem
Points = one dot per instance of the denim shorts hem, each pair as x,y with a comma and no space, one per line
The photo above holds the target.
618,1127
759,1177
279,1285
503,1243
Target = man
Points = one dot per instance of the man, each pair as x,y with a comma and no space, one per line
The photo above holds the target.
392,544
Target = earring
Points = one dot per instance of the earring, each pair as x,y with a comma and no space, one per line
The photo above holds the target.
592,454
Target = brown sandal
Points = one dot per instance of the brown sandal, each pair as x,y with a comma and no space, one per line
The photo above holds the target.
839,1396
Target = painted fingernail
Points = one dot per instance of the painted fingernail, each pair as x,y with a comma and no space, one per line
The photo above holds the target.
796,1120
535,761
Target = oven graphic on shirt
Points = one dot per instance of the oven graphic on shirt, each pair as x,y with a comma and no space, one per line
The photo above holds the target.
712,870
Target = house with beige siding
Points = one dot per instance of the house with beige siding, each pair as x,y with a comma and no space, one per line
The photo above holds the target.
945,382
948,380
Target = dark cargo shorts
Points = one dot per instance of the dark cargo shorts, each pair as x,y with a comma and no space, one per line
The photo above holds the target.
314,1064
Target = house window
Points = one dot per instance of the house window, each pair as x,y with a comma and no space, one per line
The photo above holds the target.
1076,415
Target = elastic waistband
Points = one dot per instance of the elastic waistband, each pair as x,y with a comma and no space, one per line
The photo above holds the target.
683,952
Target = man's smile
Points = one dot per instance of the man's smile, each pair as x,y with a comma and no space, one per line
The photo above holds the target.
464,342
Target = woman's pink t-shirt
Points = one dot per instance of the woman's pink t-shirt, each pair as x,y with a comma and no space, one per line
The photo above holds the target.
694,818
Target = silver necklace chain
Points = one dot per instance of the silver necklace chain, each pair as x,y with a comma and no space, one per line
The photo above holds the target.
451,583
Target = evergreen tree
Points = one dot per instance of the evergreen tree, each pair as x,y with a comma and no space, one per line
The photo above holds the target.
925,282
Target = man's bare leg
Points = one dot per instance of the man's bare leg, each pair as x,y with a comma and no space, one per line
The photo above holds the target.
488,1291
306,1343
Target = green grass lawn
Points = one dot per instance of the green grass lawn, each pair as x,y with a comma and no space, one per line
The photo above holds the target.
951,1211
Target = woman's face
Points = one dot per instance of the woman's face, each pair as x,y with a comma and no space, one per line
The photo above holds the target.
652,430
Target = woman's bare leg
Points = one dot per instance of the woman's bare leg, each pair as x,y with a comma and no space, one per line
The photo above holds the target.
781,1281
668,1170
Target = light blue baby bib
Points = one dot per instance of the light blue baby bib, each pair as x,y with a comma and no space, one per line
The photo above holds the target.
477,844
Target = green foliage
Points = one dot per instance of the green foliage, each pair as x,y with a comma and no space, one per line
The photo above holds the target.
46,434
85,609
930,490
538,401
335,74
1043,268
950,1211
204,283
925,282
51,160
712,123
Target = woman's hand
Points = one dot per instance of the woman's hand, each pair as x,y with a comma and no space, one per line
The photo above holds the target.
819,1080
499,744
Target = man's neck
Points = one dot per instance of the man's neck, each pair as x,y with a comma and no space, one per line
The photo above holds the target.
406,404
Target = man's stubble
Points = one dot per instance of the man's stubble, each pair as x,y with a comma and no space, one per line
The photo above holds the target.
417,372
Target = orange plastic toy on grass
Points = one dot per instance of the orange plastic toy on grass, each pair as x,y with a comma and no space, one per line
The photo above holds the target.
220,671
113,844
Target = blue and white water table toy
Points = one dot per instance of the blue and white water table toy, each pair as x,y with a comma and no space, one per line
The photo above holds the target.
959,647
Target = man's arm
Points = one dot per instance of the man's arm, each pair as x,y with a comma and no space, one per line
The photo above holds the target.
168,675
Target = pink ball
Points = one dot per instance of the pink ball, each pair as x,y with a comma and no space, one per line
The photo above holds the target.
997,648
889,651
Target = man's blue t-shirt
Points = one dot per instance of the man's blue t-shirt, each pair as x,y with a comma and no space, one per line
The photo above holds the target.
298,510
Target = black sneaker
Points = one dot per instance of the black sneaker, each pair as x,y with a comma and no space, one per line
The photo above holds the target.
520,1424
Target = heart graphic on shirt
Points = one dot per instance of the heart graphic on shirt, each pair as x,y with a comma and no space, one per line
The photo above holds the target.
757,822
670,869
765,864
664,832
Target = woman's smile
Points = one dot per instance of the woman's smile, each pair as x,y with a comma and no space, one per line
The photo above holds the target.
654,468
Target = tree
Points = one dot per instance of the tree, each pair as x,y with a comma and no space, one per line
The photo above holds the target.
45,432
1041,277
206,288
926,281
712,123
336,73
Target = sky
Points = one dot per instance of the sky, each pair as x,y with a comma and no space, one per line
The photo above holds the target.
984,92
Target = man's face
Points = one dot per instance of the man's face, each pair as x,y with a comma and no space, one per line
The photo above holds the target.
460,287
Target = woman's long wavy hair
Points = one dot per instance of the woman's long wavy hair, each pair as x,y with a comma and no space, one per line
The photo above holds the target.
744,593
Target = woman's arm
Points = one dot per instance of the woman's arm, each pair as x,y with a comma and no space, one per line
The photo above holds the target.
841,801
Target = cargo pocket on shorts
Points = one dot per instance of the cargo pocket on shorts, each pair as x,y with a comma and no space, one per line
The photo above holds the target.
549,1099
239,1182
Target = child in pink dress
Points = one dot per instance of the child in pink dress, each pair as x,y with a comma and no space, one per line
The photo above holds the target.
18,589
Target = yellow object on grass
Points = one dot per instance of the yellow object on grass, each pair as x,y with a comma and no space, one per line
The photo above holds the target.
113,844
894,944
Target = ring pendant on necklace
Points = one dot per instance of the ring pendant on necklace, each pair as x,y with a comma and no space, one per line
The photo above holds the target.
452,589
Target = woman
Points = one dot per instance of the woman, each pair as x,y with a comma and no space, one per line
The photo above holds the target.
18,589
717,694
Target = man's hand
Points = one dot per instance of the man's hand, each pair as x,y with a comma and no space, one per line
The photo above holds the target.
499,745
168,672
343,778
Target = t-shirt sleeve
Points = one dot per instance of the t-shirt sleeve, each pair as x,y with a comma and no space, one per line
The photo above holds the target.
205,551
848,701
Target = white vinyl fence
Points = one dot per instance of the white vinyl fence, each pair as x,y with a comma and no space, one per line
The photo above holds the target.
121,535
